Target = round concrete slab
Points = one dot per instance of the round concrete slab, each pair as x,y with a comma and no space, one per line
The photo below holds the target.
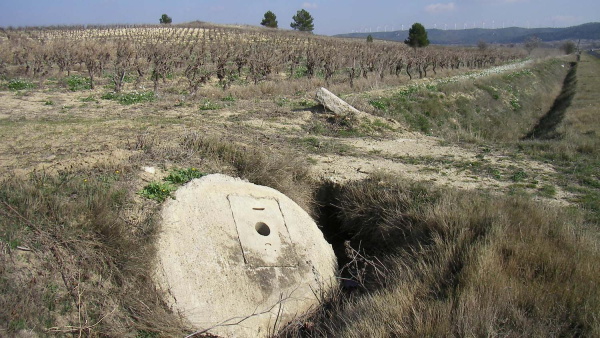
239,258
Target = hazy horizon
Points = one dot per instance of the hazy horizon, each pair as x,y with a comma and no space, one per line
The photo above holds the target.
330,16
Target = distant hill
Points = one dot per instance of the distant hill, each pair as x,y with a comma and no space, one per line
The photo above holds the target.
588,31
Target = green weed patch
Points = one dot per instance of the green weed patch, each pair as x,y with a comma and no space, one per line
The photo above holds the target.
76,83
160,191
130,98
19,84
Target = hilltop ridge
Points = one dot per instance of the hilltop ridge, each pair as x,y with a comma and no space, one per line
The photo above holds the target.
588,31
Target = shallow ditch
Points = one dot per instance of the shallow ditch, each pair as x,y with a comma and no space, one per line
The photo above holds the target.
545,129
366,230
326,216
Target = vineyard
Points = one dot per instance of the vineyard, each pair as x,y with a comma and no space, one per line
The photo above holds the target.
223,56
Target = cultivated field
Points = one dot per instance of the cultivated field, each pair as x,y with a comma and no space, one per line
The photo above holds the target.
466,204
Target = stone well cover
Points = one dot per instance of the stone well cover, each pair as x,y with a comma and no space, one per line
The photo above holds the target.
230,251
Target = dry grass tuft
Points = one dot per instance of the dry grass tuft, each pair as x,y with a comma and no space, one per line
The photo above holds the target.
73,263
464,264
285,172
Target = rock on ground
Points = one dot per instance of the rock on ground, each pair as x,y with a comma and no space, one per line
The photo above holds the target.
338,106
233,252
344,111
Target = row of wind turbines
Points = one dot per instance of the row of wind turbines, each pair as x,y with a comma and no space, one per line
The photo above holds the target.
466,25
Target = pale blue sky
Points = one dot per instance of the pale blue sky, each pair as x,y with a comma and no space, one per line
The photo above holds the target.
331,16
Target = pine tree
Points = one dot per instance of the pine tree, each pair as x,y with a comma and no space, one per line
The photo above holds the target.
270,20
165,19
417,36
303,21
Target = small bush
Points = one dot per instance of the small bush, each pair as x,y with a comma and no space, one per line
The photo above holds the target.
406,92
300,72
547,190
282,101
90,98
515,104
303,104
518,74
490,90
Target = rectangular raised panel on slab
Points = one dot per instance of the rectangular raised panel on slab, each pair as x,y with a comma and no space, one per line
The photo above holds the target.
262,231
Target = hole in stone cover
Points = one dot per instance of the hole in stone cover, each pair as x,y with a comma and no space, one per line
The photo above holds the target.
262,229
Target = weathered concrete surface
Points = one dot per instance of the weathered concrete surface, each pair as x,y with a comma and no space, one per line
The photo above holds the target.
338,106
343,111
230,251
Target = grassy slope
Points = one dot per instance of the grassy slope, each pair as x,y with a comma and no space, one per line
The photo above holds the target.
472,110
474,264
575,152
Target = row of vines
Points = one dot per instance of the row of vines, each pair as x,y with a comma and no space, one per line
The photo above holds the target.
225,55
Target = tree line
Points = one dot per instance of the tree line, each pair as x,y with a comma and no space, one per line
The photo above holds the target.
302,21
